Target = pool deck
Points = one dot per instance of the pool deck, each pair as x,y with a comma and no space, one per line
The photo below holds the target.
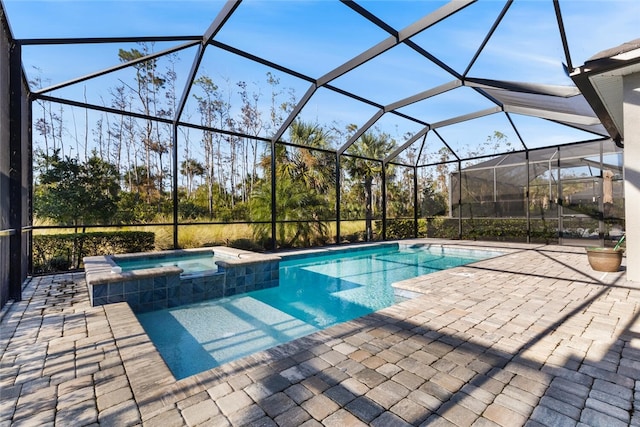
534,337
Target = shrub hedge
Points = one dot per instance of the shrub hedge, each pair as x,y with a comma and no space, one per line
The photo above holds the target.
60,252
492,229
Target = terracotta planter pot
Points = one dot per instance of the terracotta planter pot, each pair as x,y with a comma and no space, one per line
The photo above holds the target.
605,259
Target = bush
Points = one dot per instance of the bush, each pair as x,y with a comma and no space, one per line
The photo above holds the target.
442,228
502,229
400,228
490,229
246,244
59,252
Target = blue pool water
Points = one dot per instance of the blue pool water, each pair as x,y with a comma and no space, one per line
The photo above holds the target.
189,263
315,292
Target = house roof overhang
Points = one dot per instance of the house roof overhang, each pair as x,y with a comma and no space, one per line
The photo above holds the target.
600,81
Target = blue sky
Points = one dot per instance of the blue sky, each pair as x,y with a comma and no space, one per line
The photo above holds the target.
314,37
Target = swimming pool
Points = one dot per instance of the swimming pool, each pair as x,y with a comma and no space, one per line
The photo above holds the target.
316,291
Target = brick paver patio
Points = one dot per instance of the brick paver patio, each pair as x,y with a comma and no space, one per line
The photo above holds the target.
534,337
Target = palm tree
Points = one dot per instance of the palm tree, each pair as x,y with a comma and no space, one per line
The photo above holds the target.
316,168
294,204
370,149
303,181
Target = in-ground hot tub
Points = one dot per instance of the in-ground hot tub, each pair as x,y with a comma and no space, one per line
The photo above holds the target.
191,262
156,280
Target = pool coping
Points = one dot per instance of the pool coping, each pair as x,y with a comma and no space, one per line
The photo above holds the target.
413,243
99,268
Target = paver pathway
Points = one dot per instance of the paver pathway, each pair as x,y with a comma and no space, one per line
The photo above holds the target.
534,337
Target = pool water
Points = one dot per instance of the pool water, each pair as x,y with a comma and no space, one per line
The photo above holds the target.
315,292
188,263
